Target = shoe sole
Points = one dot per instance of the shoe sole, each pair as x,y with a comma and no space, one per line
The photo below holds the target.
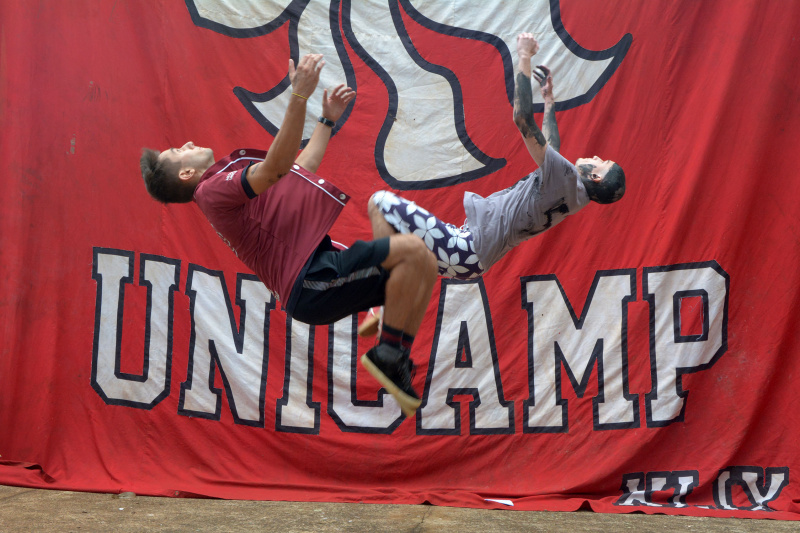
408,404
369,327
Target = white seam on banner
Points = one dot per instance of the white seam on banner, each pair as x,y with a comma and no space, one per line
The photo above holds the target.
504,502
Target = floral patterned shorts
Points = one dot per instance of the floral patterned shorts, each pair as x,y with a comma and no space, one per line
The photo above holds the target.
452,246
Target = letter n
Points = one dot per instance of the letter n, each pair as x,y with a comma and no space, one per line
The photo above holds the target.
240,355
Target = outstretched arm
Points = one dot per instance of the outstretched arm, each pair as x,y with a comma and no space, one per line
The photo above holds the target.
549,124
332,109
534,140
283,151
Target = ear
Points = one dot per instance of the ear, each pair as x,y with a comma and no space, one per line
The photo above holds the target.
598,174
186,174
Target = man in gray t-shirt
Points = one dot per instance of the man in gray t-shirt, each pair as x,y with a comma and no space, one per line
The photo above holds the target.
534,204
496,224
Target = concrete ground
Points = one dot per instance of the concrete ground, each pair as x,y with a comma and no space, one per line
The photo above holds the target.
24,510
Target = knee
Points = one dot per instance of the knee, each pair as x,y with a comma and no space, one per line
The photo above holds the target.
410,251
376,199
373,206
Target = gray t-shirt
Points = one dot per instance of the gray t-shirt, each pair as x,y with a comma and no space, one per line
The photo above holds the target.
534,204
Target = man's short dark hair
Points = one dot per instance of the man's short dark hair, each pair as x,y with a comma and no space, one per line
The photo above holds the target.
161,180
609,189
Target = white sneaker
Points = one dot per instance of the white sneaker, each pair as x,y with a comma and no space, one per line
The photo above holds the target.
371,325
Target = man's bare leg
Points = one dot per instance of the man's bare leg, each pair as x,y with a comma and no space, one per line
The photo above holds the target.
380,228
412,273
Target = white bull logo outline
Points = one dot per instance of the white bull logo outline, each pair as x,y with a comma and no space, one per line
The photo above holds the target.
415,119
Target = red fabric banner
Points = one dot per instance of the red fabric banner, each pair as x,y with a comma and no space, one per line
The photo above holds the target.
638,357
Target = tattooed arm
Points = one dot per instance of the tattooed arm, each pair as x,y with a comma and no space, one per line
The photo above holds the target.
549,124
532,136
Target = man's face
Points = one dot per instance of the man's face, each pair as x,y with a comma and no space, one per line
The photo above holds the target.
189,156
593,168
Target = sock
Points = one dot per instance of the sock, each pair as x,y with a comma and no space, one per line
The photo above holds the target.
391,336
407,341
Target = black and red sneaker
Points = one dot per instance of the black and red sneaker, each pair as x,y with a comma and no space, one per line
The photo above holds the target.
393,368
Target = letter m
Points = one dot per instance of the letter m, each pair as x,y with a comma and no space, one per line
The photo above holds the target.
558,339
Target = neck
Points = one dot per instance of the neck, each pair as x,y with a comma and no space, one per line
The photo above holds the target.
202,169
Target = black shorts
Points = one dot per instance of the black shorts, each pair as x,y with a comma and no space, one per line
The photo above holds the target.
339,283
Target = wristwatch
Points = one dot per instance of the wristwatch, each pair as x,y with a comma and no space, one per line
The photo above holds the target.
328,122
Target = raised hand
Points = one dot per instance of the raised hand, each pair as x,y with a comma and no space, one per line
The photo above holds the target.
305,77
526,46
334,105
543,75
